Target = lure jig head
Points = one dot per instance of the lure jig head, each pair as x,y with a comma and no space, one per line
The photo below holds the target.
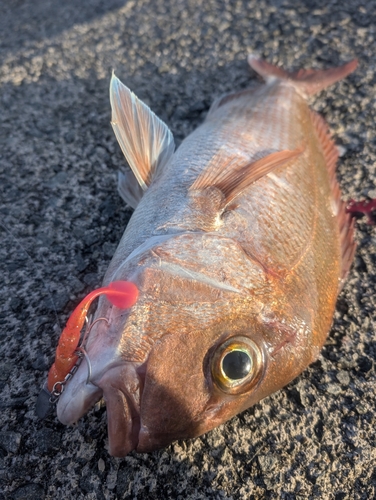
122,294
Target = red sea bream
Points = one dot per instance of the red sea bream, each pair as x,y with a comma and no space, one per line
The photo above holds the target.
238,247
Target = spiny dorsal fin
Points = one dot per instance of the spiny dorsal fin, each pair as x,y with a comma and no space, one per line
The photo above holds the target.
145,140
310,81
232,174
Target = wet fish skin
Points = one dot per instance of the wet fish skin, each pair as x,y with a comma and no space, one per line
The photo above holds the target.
225,249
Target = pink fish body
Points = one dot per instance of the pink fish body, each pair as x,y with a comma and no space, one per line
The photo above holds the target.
238,247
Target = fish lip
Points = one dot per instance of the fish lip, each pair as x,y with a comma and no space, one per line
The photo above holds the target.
122,389
76,401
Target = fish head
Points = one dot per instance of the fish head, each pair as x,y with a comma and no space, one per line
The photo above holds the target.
201,344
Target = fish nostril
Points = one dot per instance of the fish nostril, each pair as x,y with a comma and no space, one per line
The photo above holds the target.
211,409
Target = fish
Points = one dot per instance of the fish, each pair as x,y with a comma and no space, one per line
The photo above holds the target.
230,265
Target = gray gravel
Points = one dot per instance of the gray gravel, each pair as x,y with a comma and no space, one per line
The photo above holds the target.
61,219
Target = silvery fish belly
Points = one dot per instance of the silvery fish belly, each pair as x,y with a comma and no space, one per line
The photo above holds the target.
238,246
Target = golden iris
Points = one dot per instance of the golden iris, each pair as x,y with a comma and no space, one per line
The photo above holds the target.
237,365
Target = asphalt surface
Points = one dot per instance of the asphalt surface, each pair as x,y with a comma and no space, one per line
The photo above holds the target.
61,219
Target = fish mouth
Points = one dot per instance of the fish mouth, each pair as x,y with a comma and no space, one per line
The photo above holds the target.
120,386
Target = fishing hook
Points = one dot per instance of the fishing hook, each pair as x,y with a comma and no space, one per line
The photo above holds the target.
81,350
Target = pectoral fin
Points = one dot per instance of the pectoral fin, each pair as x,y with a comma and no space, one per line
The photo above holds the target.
232,174
129,188
145,140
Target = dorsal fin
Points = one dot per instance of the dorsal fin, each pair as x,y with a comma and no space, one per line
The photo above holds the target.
345,221
310,81
145,140
233,173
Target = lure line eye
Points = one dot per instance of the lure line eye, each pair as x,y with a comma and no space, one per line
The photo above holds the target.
122,294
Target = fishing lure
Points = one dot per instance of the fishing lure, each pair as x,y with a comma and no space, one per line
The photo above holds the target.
121,294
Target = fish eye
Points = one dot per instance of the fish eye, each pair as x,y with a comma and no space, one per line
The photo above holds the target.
237,365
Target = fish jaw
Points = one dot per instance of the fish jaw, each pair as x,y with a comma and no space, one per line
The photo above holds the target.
78,397
111,376
120,387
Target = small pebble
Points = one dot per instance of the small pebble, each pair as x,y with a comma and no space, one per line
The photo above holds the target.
343,377
101,465
361,409
267,462
334,389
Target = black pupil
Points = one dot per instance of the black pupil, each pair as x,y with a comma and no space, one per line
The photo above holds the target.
236,365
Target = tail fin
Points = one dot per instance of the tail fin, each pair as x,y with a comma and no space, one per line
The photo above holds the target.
310,81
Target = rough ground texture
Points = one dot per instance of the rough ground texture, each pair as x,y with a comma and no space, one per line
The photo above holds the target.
61,219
